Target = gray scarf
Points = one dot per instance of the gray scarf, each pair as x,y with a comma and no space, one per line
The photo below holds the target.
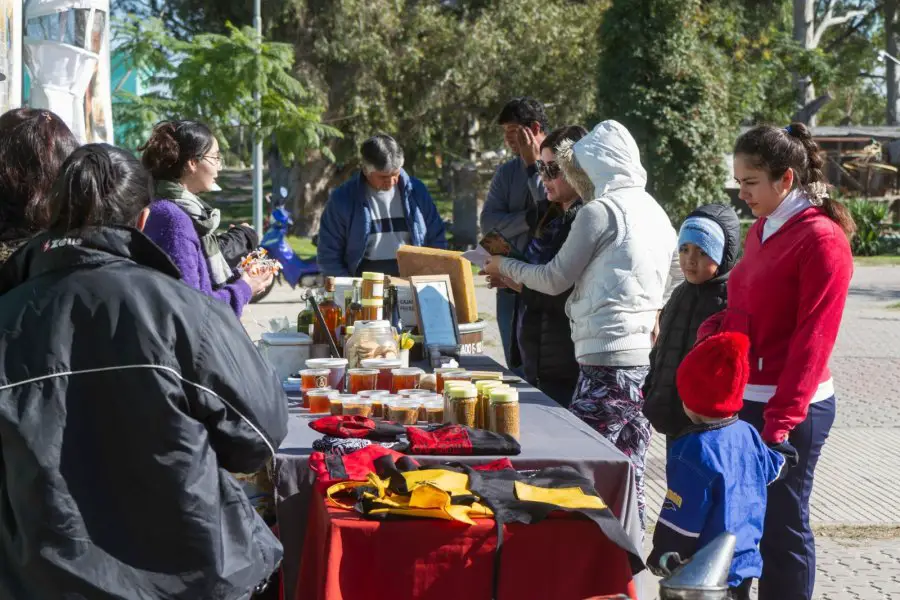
206,222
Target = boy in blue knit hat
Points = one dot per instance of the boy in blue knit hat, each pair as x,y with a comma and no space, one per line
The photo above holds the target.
709,243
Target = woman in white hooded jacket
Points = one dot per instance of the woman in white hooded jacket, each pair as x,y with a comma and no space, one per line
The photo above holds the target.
621,256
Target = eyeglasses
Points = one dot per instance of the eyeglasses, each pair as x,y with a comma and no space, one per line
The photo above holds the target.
214,159
548,170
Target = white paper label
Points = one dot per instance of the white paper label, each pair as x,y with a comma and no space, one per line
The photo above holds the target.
378,290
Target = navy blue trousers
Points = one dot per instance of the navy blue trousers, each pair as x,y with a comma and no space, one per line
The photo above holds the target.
506,314
788,546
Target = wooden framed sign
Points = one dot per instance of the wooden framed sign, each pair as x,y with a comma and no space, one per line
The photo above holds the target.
435,310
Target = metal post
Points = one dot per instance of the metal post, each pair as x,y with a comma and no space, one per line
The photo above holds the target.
257,137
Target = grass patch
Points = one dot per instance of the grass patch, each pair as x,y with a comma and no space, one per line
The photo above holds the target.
894,306
302,246
884,260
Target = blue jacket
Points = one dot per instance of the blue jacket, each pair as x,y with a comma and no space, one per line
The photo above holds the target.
717,477
345,225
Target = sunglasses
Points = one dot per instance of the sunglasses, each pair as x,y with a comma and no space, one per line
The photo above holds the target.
548,170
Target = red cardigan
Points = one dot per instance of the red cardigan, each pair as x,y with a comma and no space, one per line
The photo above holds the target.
788,295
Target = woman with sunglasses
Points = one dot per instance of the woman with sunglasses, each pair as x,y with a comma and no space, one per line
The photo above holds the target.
184,159
619,259
542,341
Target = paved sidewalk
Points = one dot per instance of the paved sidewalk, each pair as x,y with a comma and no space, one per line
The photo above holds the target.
856,500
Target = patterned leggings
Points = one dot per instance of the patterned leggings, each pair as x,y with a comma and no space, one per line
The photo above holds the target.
609,399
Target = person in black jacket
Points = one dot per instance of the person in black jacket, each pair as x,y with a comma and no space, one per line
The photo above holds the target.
125,399
542,340
709,244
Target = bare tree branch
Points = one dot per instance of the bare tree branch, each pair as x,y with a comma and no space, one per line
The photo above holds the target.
875,10
830,20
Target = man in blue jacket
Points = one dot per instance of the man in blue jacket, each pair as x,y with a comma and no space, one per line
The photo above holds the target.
374,213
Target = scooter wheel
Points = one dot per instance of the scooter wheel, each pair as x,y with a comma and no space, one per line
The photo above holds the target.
263,293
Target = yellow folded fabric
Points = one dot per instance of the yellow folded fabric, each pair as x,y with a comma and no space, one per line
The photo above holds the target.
571,497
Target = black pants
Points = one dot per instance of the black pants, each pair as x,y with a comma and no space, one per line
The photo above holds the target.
788,546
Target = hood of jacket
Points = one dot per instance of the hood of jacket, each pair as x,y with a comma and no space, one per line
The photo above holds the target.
725,217
605,160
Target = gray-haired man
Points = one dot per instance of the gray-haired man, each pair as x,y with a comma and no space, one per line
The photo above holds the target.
379,209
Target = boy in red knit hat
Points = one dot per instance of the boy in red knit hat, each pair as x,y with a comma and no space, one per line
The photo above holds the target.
717,470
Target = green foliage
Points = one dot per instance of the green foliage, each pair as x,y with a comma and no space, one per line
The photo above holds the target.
869,218
669,85
212,78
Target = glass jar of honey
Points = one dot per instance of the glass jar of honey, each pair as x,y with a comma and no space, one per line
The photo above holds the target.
377,398
373,287
372,309
320,400
463,404
504,412
405,379
361,379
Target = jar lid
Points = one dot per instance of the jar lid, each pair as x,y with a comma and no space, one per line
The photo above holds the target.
322,392
362,371
408,371
370,275
457,375
373,393
346,398
456,383
434,403
369,302
285,338
315,372
462,392
323,363
486,383
381,363
409,393
447,369
507,396
348,329
372,324
490,390
390,399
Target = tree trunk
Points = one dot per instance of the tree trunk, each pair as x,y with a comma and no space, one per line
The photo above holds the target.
890,34
804,34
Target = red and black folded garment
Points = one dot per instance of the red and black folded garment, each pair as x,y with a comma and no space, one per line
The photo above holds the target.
356,466
358,427
450,440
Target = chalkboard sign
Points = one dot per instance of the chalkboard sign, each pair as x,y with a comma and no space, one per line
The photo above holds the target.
435,311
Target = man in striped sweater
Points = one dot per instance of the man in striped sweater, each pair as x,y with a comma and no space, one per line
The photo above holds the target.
374,213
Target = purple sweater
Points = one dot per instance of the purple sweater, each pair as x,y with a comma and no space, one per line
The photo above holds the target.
172,230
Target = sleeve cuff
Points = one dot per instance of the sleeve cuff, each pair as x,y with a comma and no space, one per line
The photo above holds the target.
773,434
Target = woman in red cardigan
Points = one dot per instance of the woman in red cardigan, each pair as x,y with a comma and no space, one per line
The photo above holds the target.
788,294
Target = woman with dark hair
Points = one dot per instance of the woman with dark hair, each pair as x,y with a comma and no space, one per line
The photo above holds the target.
184,159
33,145
542,339
125,399
788,294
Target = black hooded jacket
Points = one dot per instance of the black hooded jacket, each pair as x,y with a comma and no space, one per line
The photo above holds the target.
125,399
682,315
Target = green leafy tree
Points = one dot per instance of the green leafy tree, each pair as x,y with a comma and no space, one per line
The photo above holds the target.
664,80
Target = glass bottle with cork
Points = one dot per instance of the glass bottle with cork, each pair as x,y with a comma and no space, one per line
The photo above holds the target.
331,314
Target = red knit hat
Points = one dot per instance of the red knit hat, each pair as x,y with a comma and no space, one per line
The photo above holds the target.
712,377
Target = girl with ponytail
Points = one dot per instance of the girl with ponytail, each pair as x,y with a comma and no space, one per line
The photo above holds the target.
788,294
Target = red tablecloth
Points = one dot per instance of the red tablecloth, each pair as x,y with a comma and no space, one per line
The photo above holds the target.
347,557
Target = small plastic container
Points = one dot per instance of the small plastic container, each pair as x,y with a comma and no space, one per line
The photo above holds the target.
359,380
372,286
412,393
404,411
504,412
386,401
405,379
482,418
463,405
356,406
434,410
337,368
311,379
377,398
424,400
384,366
439,377
320,400
336,405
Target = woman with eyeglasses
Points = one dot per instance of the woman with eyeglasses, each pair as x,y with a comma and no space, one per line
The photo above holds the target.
542,340
620,261
184,159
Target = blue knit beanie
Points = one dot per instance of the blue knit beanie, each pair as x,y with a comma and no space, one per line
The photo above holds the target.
706,234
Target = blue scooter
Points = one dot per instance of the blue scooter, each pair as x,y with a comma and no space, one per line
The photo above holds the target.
294,269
